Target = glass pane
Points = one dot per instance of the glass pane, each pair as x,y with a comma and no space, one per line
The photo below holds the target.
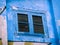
23,27
37,19
38,29
22,17
38,25
23,23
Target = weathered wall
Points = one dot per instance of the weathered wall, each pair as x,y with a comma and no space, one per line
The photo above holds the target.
56,8
29,43
3,23
3,29
32,5
1,26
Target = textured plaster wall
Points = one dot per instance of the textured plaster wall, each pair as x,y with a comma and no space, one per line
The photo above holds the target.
56,8
3,30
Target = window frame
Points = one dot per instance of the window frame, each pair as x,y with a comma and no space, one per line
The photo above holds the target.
34,24
23,22
34,34
38,14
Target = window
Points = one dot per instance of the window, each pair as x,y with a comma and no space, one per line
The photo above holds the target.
38,24
23,23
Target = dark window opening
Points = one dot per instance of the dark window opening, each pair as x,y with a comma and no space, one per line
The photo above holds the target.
38,24
23,23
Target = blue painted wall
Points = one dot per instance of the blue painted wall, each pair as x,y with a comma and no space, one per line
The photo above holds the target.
12,20
34,6
51,11
56,8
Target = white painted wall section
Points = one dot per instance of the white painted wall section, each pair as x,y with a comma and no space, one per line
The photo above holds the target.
3,29
24,43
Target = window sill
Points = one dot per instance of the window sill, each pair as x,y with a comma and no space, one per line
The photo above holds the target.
28,34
